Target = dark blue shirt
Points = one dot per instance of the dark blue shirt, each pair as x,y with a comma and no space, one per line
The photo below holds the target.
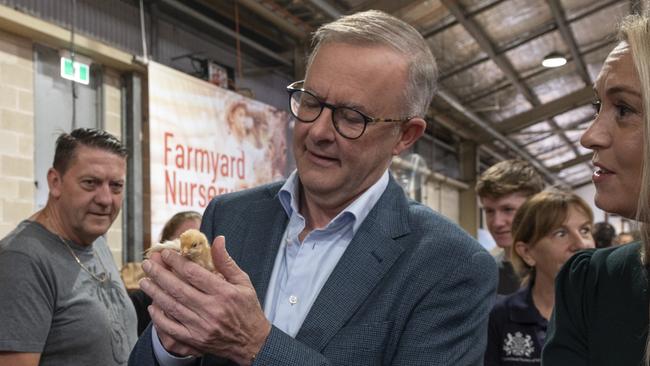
516,331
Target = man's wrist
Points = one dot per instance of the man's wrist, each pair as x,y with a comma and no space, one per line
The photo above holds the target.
255,347
166,358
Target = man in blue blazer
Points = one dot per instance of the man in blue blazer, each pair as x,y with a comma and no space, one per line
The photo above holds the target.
335,266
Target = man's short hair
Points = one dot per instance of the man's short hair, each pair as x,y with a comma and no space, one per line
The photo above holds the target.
509,176
67,143
376,28
604,234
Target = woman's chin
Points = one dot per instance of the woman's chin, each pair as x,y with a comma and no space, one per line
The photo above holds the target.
614,207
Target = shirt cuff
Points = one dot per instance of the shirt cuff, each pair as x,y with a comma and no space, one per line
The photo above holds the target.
163,357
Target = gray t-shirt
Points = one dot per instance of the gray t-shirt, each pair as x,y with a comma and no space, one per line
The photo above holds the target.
49,304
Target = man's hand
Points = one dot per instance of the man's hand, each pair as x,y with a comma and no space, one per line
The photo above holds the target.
196,311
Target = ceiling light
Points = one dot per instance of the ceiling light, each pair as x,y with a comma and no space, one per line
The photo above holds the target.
554,59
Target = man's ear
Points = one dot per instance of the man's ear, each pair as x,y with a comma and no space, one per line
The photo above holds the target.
54,182
410,132
524,252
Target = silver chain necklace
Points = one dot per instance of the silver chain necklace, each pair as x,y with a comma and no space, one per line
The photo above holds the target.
102,277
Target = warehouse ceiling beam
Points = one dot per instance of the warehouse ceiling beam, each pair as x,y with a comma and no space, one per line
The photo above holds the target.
278,16
221,28
582,183
569,39
525,38
388,6
501,61
457,127
442,26
540,71
487,128
40,31
569,163
327,8
545,111
544,29
486,45
463,131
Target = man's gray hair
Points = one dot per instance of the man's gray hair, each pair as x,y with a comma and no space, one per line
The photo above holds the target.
374,27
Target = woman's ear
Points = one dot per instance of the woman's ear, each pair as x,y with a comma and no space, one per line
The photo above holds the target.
524,251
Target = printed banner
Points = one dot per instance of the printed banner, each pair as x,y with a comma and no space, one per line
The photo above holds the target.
204,141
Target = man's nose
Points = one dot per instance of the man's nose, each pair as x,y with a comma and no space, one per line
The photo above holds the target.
323,127
103,195
500,219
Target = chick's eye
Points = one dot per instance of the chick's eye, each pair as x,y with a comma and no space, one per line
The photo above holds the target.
194,245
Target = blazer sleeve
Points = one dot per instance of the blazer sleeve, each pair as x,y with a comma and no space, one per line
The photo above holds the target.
142,353
566,340
281,349
449,325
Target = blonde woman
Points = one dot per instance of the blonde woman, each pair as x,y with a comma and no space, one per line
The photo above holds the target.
547,230
601,309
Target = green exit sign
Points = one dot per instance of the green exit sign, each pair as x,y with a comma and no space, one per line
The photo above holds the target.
78,71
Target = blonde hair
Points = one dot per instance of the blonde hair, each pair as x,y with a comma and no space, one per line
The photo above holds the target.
376,28
539,216
635,30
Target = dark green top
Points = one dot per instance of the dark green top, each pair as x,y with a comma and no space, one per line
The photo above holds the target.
601,310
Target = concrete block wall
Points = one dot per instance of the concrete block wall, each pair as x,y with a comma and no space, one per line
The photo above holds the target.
16,131
17,134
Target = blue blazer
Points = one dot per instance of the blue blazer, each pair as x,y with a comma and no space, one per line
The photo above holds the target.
412,288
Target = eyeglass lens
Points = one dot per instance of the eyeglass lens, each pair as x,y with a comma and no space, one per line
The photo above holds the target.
306,108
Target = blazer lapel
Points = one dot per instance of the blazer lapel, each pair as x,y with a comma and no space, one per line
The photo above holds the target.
265,227
370,255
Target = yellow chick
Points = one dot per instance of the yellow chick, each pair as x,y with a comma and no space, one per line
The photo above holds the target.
195,247
158,247
192,244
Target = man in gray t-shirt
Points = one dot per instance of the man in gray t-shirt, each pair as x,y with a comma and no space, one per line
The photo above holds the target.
62,301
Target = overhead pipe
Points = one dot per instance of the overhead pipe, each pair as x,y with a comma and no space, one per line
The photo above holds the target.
221,28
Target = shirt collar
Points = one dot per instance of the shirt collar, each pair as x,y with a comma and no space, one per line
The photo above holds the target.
357,210
523,310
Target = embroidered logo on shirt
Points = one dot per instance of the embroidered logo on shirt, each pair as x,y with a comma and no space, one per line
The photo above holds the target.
518,345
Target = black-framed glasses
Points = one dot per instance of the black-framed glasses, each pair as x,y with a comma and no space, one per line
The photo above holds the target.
348,122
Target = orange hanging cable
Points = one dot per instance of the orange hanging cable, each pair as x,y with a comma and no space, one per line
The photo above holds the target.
239,71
